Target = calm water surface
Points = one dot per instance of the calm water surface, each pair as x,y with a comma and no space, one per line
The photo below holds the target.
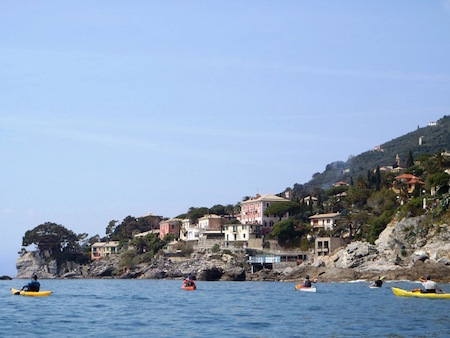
159,308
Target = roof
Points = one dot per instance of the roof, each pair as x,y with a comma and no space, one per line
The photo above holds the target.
330,215
209,216
103,244
266,198
409,178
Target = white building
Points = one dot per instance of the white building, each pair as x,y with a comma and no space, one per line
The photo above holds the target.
325,221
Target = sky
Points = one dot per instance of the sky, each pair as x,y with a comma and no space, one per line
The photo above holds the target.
118,108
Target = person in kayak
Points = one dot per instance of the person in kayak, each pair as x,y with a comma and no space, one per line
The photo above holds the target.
378,283
33,286
429,285
307,282
188,281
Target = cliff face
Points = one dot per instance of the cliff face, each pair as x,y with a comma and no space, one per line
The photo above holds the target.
405,250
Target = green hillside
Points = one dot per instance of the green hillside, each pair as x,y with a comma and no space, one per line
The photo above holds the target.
434,139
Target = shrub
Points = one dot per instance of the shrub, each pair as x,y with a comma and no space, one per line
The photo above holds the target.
215,248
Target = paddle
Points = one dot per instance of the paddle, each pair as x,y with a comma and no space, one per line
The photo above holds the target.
298,286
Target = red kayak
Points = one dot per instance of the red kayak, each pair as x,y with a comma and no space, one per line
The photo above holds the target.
189,287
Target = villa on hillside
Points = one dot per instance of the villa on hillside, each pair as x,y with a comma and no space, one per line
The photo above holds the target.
310,200
189,232
103,249
145,233
170,226
252,213
412,183
324,221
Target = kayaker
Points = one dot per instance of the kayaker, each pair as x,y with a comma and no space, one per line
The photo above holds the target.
188,281
429,285
307,282
33,286
378,283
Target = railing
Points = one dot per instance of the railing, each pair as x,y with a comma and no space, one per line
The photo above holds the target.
264,259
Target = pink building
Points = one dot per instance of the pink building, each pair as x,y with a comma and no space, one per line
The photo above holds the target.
252,213
170,226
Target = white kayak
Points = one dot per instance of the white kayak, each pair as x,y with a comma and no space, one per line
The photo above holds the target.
307,289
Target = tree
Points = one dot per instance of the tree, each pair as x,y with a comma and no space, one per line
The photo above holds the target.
439,182
409,160
195,213
111,228
55,239
280,209
283,231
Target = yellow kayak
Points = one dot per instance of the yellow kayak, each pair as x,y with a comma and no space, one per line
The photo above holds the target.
31,293
406,293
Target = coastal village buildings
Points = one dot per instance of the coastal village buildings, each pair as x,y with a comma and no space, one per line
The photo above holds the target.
252,214
103,249
189,232
310,201
236,233
170,226
209,222
324,246
412,183
324,221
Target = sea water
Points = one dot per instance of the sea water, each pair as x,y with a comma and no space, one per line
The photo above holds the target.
159,308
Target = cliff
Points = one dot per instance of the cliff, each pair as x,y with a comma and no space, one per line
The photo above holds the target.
405,250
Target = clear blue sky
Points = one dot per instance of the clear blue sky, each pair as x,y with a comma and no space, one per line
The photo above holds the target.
117,108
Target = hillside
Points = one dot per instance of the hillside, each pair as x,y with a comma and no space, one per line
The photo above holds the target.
434,139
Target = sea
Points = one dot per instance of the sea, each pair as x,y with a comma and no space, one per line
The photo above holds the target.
160,308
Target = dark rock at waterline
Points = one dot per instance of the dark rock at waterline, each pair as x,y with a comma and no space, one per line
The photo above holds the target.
5,278
211,274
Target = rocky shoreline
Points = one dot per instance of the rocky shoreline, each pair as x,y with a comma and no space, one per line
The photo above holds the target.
400,253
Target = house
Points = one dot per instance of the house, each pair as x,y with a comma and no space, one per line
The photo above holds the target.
310,200
189,232
170,226
103,249
252,213
236,233
145,233
412,183
340,184
324,221
324,246
209,222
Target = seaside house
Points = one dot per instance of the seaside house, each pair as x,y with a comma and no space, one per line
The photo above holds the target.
324,221
310,201
236,233
412,183
103,249
252,214
209,222
170,226
340,184
324,246
189,232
